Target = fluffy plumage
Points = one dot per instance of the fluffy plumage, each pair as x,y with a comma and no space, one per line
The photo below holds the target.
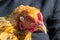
22,22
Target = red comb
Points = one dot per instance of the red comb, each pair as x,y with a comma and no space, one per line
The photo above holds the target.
39,17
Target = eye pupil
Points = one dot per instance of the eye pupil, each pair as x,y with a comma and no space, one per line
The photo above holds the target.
29,19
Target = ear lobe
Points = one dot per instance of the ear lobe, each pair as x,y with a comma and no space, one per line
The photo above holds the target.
21,25
22,18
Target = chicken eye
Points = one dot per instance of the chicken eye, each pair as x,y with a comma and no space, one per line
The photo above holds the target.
29,19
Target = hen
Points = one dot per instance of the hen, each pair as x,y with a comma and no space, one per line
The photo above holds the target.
22,22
